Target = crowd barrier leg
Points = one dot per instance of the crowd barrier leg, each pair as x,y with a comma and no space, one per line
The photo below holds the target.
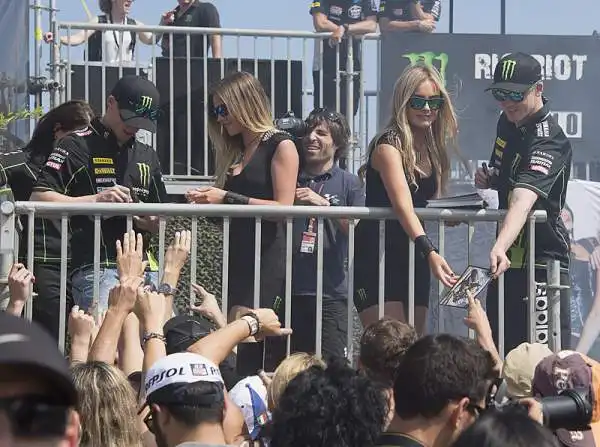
7,248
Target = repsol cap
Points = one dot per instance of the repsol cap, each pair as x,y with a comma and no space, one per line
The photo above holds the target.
138,101
167,380
516,72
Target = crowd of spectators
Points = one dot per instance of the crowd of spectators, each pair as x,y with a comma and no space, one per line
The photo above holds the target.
140,377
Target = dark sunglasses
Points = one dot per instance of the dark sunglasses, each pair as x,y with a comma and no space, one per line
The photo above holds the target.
149,421
220,111
419,102
35,416
145,112
501,94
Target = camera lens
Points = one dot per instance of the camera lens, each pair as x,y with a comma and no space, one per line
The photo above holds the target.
571,410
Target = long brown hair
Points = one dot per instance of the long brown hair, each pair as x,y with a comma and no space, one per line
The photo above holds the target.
440,137
248,104
107,406
69,116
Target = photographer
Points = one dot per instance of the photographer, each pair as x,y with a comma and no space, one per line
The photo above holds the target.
577,375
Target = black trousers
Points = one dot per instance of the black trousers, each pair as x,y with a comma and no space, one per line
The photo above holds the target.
516,309
46,306
333,332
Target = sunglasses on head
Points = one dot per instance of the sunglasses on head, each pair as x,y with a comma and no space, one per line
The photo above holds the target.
220,111
323,112
419,102
35,416
501,94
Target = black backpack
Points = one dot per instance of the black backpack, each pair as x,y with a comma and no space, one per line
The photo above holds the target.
94,48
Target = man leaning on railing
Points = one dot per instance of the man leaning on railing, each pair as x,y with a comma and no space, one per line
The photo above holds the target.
105,163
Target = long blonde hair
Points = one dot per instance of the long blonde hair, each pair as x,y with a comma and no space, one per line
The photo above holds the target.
287,370
107,406
248,104
440,137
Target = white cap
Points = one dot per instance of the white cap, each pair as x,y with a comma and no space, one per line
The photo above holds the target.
250,394
181,368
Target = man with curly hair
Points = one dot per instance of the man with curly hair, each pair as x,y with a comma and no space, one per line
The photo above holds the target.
333,406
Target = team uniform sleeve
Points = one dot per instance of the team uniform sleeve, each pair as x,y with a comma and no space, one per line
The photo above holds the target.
356,192
318,6
158,191
68,160
547,159
211,16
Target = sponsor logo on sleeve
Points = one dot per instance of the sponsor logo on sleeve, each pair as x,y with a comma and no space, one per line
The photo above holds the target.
541,162
53,165
354,12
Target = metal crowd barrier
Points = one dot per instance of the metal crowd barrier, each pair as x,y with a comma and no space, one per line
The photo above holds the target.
268,47
10,211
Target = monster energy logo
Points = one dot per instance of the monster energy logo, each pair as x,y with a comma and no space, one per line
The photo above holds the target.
144,170
508,69
428,58
144,105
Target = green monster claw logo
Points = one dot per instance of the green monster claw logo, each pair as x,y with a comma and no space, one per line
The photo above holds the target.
508,69
428,58
144,105
144,170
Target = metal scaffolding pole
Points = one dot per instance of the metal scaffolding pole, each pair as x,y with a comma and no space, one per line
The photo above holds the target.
37,50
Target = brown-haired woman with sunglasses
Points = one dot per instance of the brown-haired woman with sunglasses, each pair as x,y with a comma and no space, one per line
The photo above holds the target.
407,165
256,164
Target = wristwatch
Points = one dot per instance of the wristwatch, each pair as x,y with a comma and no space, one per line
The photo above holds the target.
166,289
252,320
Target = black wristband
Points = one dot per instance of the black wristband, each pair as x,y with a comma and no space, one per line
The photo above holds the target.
424,246
232,198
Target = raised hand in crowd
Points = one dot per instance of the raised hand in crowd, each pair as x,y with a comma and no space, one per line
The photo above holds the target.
130,256
208,307
306,196
81,327
121,301
477,320
20,281
178,251
115,194
206,196
258,323
150,309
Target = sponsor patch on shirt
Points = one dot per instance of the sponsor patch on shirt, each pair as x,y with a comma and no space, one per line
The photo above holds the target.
543,129
53,165
103,161
336,11
355,12
104,171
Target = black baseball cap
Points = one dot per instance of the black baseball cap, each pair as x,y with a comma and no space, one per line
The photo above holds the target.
182,331
26,344
138,101
516,72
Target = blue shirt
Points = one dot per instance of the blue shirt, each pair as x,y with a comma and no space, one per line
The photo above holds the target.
341,188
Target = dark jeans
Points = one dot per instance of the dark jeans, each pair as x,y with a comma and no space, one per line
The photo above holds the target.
516,309
46,306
